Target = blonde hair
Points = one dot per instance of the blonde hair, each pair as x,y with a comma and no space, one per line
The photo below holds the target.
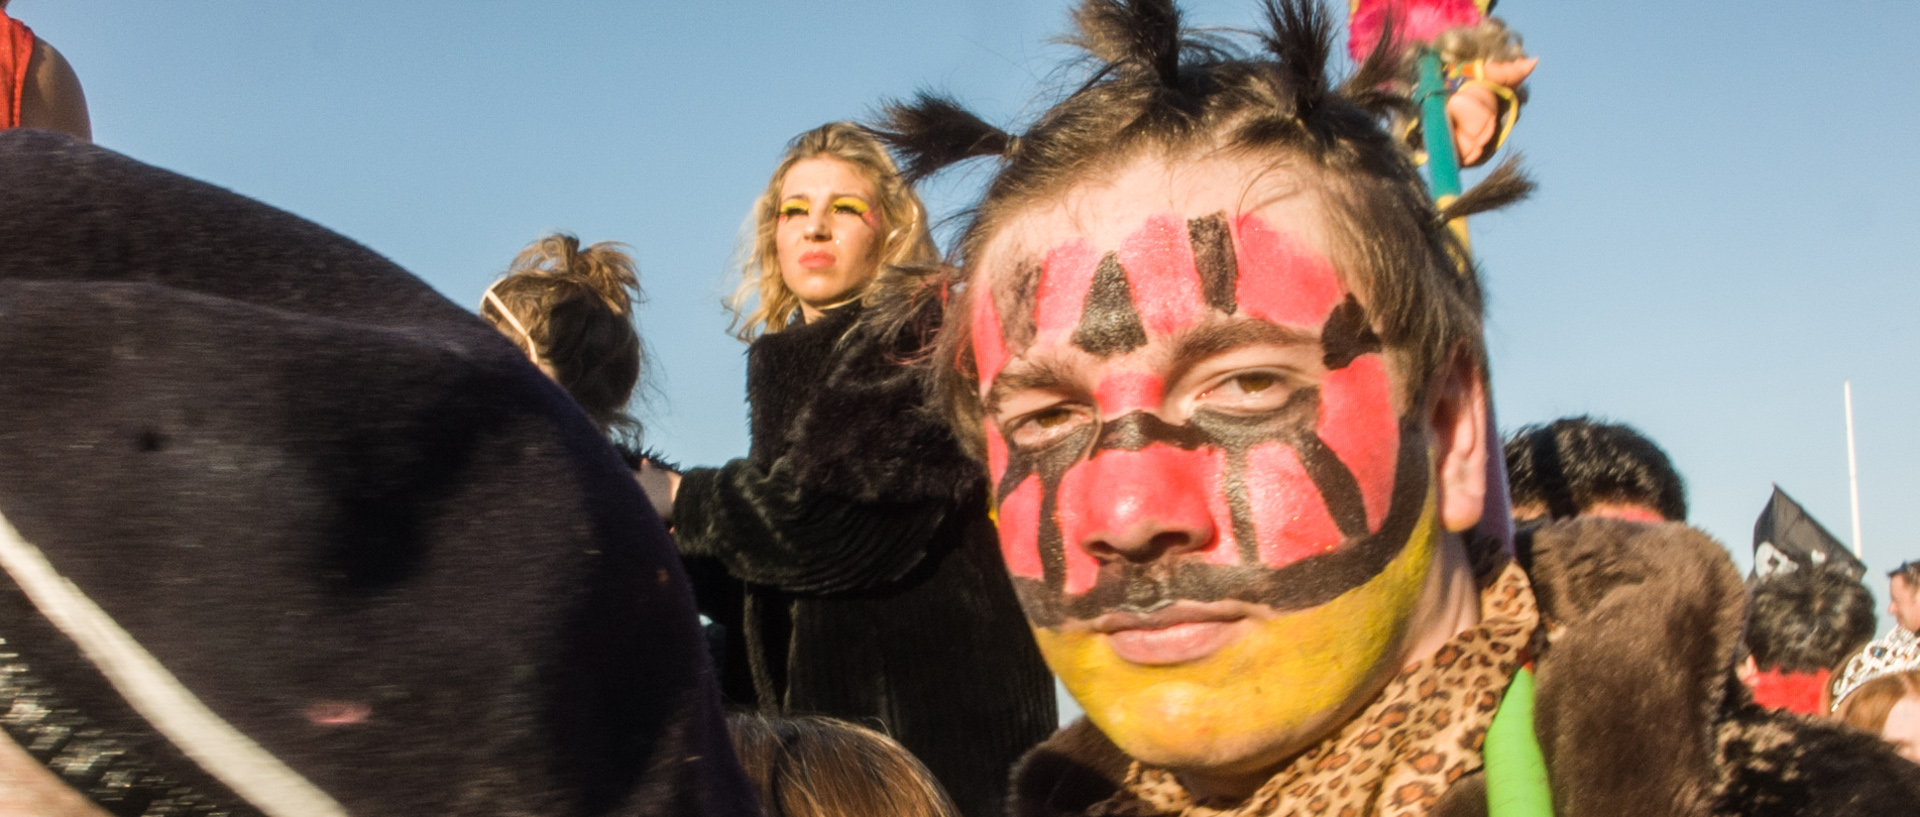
573,310
1868,706
822,767
763,303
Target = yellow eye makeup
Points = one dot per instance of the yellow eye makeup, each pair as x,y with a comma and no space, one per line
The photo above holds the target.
849,204
794,207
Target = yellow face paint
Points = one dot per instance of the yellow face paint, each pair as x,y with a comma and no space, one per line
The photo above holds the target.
849,204
1278,685
794,207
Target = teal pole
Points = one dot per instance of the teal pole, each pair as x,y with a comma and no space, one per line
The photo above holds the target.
1443,167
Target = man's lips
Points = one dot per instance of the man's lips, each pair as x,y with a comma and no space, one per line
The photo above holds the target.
818,259
1181,632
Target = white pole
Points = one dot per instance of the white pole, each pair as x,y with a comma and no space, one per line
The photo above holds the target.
1853,472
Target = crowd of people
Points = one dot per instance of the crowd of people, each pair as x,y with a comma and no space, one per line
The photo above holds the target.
1193,417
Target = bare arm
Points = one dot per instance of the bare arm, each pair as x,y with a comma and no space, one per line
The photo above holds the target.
52,98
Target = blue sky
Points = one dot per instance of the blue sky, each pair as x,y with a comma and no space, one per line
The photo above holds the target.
1725,229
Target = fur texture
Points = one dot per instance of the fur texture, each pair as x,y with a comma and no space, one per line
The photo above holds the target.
299,477
873,585
1638,711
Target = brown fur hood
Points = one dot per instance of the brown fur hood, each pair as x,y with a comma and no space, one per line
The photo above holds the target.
1638,711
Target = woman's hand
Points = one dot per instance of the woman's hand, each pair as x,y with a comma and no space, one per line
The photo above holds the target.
661,485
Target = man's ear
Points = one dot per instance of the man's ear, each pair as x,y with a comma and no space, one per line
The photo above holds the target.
1459,423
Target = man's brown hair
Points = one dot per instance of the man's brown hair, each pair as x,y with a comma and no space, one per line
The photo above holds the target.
1156,87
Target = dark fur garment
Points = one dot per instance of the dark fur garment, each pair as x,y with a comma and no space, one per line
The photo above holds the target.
868,579
308,484
1637,711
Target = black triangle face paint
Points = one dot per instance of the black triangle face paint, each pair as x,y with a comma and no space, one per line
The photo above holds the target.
1109,323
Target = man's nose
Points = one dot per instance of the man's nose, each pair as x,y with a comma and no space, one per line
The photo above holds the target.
1139,506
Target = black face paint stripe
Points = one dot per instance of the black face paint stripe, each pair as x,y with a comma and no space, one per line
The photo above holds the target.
1240,508
1214,258
1347,334
1109,323
1013,302
1053,551
1308,583
1137,430
1336,484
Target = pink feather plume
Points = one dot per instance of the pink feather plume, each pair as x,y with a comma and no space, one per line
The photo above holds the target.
1415,21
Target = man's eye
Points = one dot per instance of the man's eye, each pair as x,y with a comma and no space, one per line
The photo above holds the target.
1255,391
1046,426
1256,382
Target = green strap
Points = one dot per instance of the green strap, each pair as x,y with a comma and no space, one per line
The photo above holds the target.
1516,770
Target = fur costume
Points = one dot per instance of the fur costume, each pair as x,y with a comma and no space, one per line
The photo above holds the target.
376,559
1638,710
874,588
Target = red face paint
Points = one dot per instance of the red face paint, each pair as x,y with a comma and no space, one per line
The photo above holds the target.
1064,280
1288,507
1166,286
1357,421
1281,280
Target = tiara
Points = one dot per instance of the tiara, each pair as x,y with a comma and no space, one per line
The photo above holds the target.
1897,651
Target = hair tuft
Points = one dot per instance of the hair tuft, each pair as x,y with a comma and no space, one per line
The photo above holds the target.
934,131
1300,37
1507,184
1132,33
1372,85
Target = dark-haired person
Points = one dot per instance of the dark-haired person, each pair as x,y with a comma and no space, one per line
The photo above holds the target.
1577,466
1224,362
285,532
873,591
1903,596
38,89
571,310
1802,625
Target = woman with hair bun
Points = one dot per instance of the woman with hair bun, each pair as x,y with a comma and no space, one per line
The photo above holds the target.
571,311
867,577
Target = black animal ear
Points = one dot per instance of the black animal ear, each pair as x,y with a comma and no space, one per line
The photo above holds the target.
934,131
1142,33
1507,184
1300,37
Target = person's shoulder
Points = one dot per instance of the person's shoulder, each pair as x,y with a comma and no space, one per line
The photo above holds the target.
52,98
1068,773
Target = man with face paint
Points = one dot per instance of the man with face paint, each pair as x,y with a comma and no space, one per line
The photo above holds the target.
1222,360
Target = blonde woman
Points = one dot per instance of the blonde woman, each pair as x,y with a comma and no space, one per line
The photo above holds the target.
861,575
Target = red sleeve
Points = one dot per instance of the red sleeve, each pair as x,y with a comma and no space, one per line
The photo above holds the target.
16,49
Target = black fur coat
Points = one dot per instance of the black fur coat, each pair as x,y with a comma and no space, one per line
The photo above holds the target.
1638,711
869,585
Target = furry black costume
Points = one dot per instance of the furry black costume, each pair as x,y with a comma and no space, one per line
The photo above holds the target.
337,510
874,589
1638,710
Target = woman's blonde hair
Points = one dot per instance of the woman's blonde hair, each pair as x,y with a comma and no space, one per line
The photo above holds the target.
1867,707
763,303
822,767
573,309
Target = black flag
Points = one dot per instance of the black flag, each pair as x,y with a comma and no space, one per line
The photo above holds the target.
1787,538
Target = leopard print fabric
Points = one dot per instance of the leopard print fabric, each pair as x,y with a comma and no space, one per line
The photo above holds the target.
1402,752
